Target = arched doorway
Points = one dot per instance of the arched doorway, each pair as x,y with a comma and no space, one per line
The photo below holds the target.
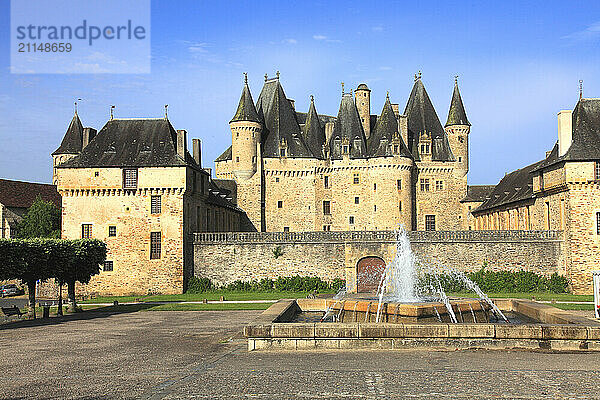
368,274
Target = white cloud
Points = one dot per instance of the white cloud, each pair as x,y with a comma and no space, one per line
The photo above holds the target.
326,39
377,28
319,37
197,48
290,41
385,68
591,32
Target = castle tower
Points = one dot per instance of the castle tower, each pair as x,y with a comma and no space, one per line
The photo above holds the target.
362,98
75,140
458,128
246,129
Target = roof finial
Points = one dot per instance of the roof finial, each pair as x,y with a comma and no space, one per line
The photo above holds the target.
312,98
277,73
456,79
580,89
245,78
111,112
419,74
266,76
387,95
342,88
78,99
166,111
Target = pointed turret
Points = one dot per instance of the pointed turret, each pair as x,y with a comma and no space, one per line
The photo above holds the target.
426,137
458,128
348,137
246,110
72,142
457,114
246,129
314,133
283,136
385,139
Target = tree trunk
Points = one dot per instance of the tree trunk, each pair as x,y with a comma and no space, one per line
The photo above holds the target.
31,294
59,312
71,291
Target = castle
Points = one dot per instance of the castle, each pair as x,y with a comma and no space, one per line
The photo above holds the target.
327,191
297,171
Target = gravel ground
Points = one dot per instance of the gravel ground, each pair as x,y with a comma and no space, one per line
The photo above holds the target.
201,355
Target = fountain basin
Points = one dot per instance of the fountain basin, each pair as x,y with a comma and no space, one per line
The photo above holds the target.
361,310
553,329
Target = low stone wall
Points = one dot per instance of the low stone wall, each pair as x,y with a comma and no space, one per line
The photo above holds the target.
226,257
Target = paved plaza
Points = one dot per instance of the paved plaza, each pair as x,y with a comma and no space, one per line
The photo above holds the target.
201,355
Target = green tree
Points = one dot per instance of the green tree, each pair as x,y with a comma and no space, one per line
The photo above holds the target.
41,220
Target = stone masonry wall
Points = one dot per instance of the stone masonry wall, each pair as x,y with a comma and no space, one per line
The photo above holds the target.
226,257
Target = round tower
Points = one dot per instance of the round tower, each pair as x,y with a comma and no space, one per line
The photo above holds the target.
362,98
458,128
246,129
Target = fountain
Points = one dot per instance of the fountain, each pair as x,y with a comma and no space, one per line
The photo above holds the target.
411,309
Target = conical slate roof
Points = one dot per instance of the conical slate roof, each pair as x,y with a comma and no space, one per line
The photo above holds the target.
423,118
456,113
246,110
73,140
280,123
386,127
348,126
314,134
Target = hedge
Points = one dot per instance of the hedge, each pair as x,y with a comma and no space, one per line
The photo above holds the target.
292,284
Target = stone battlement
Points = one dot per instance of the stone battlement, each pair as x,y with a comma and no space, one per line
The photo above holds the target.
375,236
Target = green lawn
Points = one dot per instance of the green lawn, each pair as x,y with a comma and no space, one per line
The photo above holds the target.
537,295
571,306
215,295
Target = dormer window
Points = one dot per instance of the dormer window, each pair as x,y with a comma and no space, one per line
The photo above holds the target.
130,178
425,147
345,149
396,148
282,152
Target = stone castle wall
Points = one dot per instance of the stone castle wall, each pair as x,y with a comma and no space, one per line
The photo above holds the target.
226,257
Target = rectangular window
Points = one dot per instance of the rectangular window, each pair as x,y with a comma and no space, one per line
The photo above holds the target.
399,184
286,228
598,223
399,206
351,220
374,186
112,231
108,266
375,207
86,231
356,179
430,222
425,185
326,182
130,178
326,207
277,179
326,228
154,245
439,185
237,159
155,205
280,204
356,200
597,170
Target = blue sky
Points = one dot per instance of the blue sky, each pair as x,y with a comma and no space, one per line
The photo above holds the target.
519,64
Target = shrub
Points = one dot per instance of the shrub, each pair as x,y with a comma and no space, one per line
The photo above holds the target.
283,283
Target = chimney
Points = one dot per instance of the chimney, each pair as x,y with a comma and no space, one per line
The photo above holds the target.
88,135
403,128
292,103
197,150
328,130
565,131
181,142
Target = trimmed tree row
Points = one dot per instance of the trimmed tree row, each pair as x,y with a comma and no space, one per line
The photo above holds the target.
39,259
